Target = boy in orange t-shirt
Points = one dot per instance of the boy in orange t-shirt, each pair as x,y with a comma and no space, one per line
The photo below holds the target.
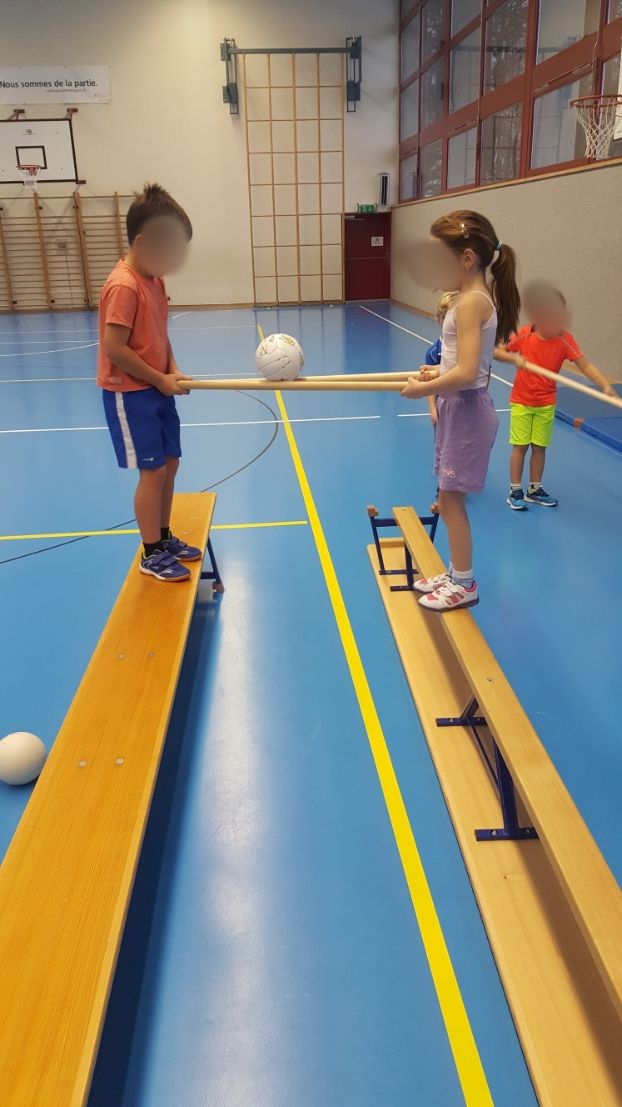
139,377
546,342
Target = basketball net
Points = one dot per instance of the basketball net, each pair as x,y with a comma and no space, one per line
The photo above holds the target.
29,175
597,115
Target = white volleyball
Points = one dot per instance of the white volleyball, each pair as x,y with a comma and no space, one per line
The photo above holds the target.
22,757
279,357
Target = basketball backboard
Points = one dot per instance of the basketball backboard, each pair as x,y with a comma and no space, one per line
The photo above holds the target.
45,142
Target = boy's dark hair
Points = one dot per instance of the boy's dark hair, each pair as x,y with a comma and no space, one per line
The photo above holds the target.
150,203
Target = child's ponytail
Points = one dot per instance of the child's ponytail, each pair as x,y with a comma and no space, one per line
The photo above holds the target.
505,291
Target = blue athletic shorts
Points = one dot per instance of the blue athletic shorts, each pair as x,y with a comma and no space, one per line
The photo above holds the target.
144,427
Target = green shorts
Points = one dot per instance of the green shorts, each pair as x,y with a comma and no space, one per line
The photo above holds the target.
531,426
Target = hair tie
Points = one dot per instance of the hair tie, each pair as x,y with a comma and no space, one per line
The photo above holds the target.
499,245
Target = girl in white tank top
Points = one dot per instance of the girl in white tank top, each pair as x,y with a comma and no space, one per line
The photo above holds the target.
469,258
449,356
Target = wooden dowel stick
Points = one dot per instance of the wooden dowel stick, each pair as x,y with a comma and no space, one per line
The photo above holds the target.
304,385
364,376
521,363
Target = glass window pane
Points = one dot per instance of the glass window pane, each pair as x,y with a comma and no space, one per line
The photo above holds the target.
432,28
409,111
462,12
409,48
464,62
430,158
611,77
461,159
408,178
432,94
500,153
557,134
561,24
615,9
506,41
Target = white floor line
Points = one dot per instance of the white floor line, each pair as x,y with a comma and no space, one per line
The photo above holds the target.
23,337
43,380
60,350
48,380
179,315
397,325
22,341
225,423
502,379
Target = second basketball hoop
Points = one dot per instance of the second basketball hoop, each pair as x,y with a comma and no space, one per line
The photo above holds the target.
597,115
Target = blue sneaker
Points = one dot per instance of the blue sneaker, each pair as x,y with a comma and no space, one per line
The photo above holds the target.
539,496
163,566
181,550
516,499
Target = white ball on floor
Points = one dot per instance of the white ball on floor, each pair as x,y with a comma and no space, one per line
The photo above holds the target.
279,357
22,757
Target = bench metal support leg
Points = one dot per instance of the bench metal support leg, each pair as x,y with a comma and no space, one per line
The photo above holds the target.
408,571
213,573
511,829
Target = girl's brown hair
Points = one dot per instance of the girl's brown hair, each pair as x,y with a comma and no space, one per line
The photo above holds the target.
468,230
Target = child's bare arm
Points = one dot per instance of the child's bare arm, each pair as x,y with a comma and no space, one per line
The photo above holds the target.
593,374
469,323
433,411
117,349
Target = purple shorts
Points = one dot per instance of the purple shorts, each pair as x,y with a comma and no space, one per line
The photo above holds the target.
465,434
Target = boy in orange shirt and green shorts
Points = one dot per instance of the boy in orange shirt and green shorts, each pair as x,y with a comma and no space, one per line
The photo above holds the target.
533,400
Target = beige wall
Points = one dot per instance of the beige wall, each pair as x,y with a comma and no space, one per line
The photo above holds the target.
167,121
567,229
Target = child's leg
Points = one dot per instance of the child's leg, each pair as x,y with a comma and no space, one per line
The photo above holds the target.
172,465
542,432
517,463
175,546
536,466
454,515
148,504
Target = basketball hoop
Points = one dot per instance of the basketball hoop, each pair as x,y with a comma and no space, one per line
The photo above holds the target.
29,175
597,115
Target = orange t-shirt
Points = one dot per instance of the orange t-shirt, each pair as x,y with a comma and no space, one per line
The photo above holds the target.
140,303
549,353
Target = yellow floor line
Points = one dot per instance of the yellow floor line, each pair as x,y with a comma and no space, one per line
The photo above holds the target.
112,533
462,1042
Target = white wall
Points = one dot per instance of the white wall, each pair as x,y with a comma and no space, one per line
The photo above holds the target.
565,229
168,110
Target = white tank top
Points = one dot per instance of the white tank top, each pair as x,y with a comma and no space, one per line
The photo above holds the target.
449,356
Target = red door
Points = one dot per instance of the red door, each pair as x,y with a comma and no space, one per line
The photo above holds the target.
368,256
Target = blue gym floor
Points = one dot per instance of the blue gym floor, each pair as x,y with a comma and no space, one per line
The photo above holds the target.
272,957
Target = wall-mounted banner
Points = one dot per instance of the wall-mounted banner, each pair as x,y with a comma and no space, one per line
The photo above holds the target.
55,84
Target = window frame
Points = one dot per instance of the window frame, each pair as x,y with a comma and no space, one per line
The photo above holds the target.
577,61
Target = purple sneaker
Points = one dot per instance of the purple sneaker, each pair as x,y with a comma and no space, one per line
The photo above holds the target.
181,550
163,566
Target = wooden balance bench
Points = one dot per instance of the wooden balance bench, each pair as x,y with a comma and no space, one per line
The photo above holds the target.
550,905
66,880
